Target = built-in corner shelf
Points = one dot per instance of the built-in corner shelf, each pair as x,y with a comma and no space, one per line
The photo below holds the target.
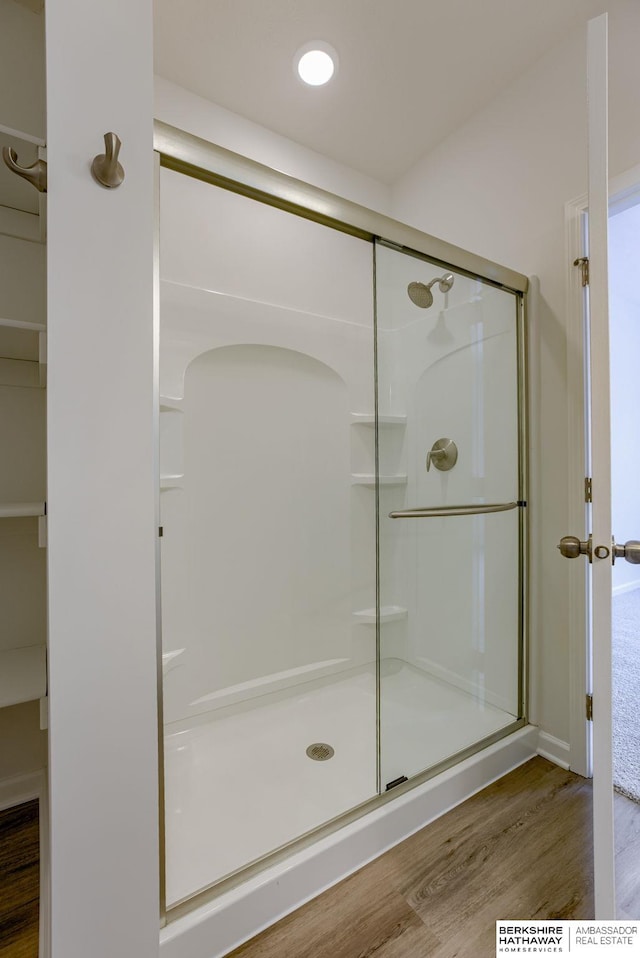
369,479
23,675
388,613
171,482
366,419
171,404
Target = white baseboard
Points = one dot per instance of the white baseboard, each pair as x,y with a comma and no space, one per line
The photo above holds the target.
626,587
22,788
554,749
16,791
214,929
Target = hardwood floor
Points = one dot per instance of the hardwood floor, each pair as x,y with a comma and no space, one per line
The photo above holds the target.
521,848
19,881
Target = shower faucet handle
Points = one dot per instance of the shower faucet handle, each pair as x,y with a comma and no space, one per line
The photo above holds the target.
443,454
435,456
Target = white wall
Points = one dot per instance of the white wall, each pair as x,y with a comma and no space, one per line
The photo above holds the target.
498,187
192,113
102,527
624,310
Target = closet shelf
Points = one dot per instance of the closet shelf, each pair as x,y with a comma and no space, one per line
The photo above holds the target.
21,135
27,373
23,324
365,419
23,360
23,675
20,510
368,479
388,613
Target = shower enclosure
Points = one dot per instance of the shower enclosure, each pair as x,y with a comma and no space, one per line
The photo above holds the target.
342,506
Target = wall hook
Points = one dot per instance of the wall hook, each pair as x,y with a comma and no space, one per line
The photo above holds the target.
36,174
105,167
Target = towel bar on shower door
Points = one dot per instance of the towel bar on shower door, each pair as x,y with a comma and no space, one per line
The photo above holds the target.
437,511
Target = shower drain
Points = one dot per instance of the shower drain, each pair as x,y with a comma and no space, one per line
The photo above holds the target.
320,751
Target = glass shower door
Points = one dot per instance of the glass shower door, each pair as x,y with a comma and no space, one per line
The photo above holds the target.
450,498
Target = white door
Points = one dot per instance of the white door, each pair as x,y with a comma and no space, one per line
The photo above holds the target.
603,829
595,539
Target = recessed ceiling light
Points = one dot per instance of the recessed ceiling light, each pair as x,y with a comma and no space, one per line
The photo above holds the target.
316,62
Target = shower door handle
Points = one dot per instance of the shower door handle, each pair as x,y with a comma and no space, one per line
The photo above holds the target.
438,512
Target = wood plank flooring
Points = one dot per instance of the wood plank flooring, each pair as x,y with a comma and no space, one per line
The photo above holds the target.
19,881
521,848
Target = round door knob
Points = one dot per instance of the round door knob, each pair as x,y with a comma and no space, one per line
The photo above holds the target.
571,547
629,551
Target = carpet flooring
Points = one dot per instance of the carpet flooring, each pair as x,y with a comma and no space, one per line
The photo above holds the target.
626,694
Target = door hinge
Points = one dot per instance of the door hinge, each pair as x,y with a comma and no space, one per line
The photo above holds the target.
588,489
589,708
583,263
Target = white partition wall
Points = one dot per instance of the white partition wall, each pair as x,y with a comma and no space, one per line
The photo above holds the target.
102,637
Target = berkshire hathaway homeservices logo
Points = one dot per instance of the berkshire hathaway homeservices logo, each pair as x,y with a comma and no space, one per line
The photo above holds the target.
534,937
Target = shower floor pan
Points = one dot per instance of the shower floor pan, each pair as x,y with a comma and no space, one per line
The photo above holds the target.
239,782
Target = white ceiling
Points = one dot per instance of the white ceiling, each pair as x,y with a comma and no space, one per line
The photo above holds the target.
411,71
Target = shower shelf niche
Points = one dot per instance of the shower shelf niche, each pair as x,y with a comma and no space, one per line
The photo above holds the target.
171,482
365,419
388,613
369,479
171,403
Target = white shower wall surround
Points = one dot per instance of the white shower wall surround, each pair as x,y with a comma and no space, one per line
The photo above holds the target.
266,349
451,370
270,546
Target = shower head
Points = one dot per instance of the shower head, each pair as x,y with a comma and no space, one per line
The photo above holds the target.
420,293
